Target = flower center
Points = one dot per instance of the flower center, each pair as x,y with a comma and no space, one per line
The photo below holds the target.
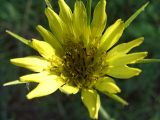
78,65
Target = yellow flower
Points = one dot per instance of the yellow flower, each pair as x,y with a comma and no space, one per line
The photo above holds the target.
79,56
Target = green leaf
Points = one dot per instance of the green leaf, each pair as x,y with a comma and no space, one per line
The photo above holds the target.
129,21
117,98
148,61
23,40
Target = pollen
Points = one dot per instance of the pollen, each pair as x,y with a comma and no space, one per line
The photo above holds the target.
78,65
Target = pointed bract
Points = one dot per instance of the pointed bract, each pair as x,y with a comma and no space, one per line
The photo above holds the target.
129,21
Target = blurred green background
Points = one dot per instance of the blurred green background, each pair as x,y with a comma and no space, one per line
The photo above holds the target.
142,92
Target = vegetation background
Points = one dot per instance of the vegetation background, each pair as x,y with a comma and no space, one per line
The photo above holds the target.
142,92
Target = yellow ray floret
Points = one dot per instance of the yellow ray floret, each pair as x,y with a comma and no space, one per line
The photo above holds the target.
34,63
107,84
91,100
99,19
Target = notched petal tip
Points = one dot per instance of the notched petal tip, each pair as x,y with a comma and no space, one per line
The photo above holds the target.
45,88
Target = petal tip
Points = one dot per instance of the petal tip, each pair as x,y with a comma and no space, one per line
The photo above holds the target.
141,40
13,60
29,97
138,72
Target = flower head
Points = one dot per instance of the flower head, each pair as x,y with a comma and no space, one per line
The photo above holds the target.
79,56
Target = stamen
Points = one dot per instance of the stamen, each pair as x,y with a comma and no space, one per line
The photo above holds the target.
78,65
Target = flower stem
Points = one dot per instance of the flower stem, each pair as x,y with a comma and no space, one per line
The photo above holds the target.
89,8
104,114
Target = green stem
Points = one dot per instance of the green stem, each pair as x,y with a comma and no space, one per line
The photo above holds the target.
104,114
89,8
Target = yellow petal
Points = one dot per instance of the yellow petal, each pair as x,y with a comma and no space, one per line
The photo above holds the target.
34,63
44,49
127,59
122,72
37,77
51,39
91,100
13,83
107,84
45,88
68,89
80,22
67,17
99,19
111,35
124,48
56,24
65,12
